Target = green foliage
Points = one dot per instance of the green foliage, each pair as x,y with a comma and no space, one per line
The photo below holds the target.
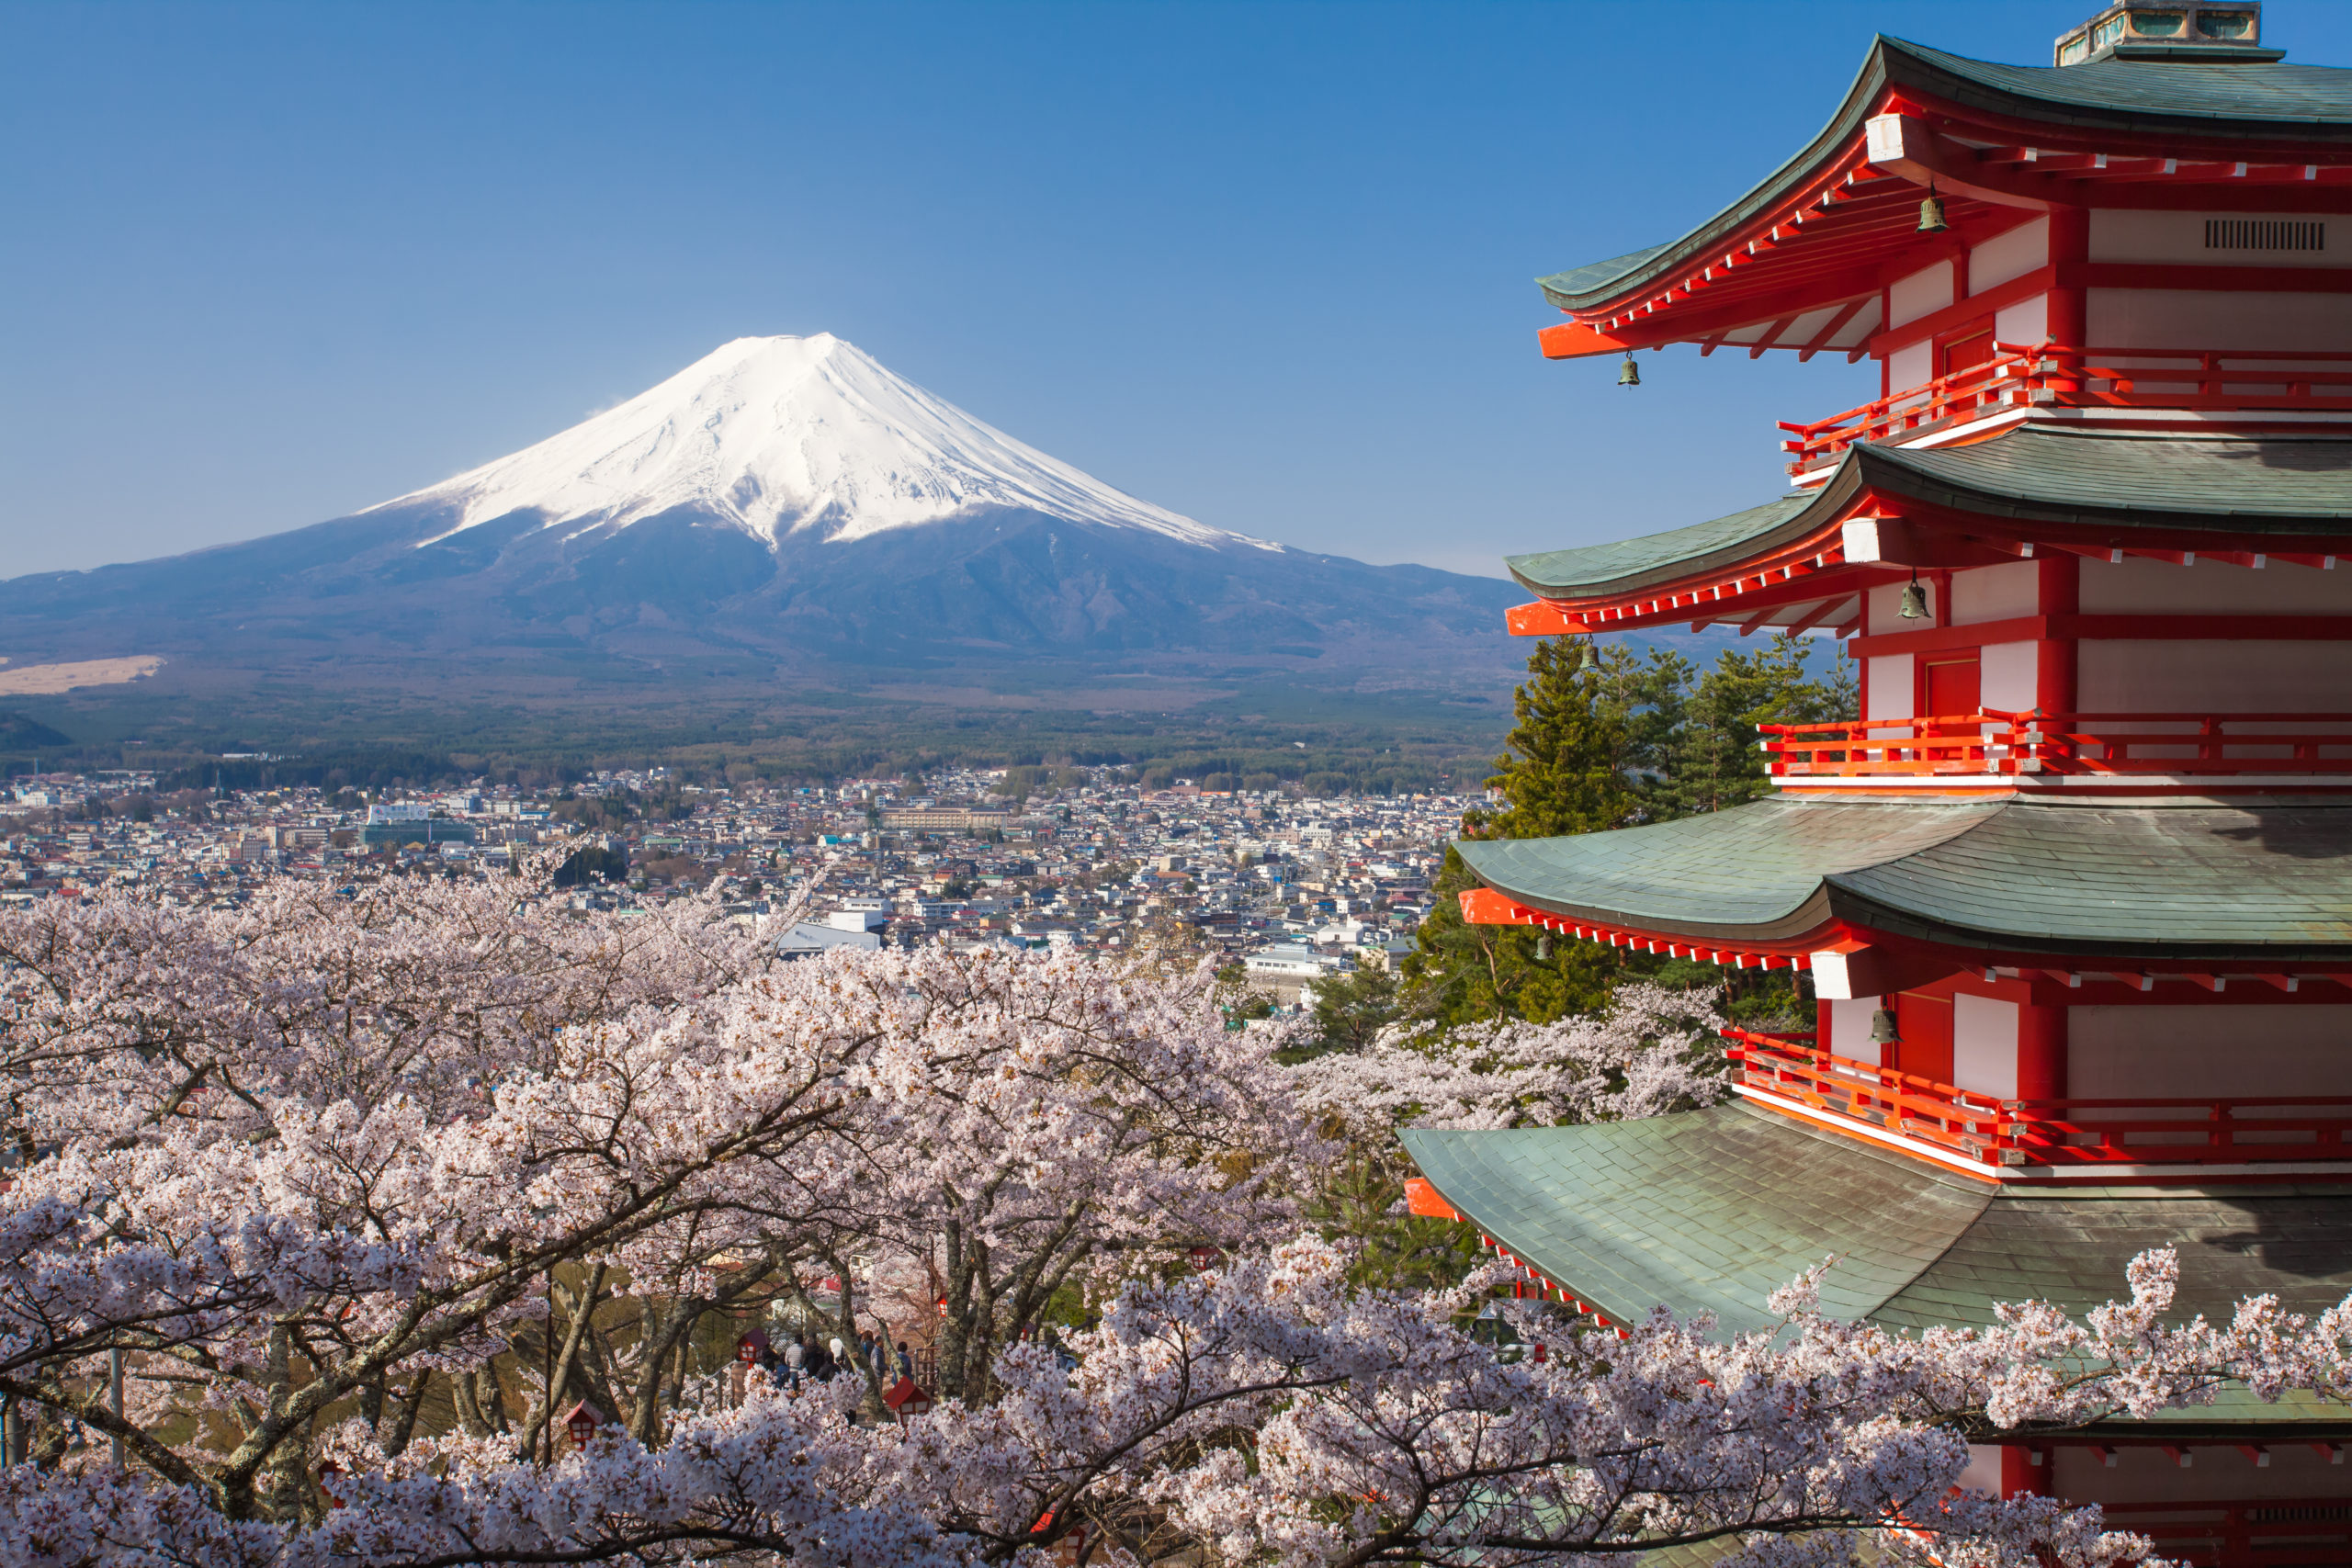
1352,1010
1640,739
596,863
1360,1198
1567,773
1460,973
1693,736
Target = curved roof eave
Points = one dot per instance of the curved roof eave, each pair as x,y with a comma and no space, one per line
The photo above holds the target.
2192,885
2101,480
2077,477
1817,507
2006,90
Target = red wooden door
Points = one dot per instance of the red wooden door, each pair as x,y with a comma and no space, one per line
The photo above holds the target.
1965,353
1951,685
1924,1024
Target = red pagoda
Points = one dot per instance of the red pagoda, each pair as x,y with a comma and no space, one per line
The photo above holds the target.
2074,892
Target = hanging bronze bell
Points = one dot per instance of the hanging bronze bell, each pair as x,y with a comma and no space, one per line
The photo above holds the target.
1931,213
1915,600
1586,660
1543,948
1883,1031
1629,373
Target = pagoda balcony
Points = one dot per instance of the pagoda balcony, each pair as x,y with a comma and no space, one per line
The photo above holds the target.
2018,380
2079,1133
1996,746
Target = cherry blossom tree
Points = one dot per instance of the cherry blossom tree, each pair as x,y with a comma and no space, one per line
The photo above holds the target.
1651,1050
461,1149
362,1193
1269,1412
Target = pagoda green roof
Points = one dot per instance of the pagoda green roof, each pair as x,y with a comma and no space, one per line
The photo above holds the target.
1712,1210
2191,883
2249,101
2130,484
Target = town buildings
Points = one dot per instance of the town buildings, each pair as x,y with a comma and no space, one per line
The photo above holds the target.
2076,891
1099,866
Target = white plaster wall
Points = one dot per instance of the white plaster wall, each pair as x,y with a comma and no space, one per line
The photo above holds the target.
2009,677
1886,609
2137,585
2124,234
1984,1045
2215,677
1849,1029
2005,256
2216,1050
1912,367
1994,593
2169,318
2027,321
1890,686
1923,293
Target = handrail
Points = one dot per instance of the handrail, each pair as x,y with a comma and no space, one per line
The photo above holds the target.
1999,742
2064,375
2075,1130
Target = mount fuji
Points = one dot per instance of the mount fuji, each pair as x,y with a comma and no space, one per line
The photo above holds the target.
788,513
782,435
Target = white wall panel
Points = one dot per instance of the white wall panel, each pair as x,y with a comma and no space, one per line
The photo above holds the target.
1890,686
2027,321
2215,677
1910,367
2137,585
2130,234
1994,593
1984,1045
2009,677
2005,256
1921,294
2217,1050
1849,1029
2169,318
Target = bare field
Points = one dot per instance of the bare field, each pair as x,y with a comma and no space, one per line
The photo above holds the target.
41,680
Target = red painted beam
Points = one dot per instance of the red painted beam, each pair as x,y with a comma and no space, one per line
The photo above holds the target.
1543,618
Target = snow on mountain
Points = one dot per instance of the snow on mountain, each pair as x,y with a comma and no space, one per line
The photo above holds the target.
782,434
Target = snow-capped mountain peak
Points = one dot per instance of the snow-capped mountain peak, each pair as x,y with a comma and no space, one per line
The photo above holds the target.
782,434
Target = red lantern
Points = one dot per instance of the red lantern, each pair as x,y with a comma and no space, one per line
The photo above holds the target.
942,1306
582,1421
1205,1258
752,1347
1539,1352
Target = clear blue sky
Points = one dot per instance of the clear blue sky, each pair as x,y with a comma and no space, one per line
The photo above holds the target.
1269,265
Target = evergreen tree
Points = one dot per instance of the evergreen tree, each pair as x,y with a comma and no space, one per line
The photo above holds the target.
1566,773
1570,746
1642,738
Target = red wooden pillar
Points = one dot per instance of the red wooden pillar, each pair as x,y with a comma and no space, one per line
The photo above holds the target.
2065,312
2041,1052
2070,243
2055,665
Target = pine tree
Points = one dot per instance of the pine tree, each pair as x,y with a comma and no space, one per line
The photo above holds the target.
1566,773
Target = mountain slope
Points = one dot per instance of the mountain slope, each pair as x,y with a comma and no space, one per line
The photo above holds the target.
789,511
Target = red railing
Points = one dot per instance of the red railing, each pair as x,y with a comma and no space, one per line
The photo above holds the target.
2051,375
1992,1130
1990,742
